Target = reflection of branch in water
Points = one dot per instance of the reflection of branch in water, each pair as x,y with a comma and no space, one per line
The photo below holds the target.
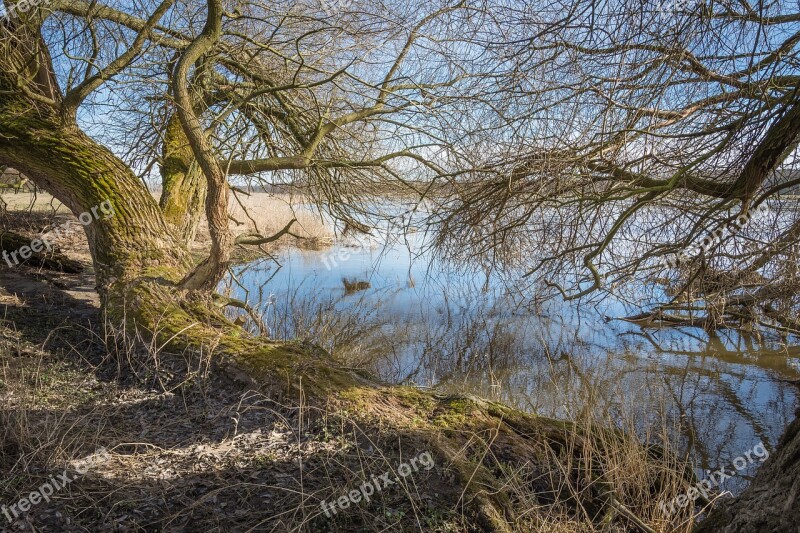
686,421
732,401
769,359
706,381
723,390
735,402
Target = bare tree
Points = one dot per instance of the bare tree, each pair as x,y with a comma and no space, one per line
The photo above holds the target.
262,91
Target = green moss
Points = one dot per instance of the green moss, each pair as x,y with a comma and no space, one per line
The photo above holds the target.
414,398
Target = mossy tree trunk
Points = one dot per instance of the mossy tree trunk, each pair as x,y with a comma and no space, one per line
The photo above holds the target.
83,174
183,194
207,275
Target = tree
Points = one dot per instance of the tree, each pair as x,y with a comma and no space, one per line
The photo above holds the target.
583,115
254,91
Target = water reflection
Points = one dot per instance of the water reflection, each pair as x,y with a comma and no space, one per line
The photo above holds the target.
442,326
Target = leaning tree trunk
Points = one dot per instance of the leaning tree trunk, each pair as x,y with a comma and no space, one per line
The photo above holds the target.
82,174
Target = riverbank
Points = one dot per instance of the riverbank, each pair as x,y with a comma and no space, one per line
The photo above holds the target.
190,446
265,213
185,448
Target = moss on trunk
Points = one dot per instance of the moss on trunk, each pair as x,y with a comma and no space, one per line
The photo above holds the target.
83,175
184,188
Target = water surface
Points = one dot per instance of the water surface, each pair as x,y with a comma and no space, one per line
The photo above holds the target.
459,329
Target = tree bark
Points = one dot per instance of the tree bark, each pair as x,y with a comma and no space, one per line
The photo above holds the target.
210,272
58,157
183,193
82,174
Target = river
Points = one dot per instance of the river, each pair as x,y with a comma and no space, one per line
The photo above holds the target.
440,325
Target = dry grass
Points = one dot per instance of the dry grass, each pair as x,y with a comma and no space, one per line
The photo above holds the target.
352,286
41,202
185,453
189,453
607,458
269,213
